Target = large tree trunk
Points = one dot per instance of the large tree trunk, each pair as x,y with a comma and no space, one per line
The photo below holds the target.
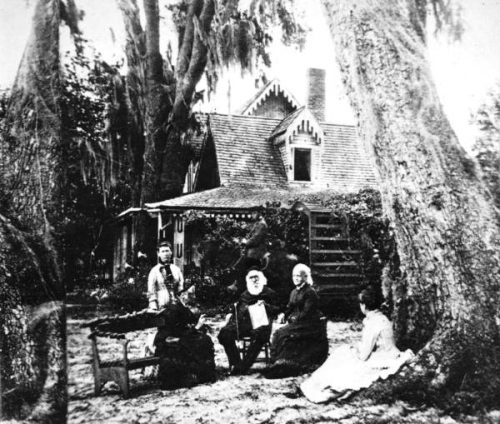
33,344
32,336
169,99
133,99
161,99
29,152
444,221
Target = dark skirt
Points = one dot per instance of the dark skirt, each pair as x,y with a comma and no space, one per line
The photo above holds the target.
185,362
298,348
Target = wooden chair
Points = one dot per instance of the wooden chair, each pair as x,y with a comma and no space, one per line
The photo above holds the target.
244,343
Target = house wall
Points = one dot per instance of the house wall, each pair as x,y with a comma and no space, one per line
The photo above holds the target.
274,106
285,157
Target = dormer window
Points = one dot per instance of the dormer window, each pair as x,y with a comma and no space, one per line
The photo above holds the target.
302,165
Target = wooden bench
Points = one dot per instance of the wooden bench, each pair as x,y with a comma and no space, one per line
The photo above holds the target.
116,327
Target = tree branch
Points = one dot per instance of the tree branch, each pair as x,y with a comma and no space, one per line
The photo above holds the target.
186,83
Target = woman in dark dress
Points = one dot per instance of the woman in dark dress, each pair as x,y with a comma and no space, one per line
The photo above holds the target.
301,345
186,352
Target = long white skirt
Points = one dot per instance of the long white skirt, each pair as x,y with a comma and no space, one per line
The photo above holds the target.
343,372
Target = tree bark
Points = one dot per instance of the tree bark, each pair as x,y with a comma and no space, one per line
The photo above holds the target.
444,221
134,96
158,106
168,98
29,155
33,357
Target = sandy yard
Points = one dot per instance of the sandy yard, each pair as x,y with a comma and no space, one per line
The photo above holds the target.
231,399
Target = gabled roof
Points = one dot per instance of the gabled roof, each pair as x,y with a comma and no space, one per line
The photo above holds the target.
244,153
301,119
283,125
261,95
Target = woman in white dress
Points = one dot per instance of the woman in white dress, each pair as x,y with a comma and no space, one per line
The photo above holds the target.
350,369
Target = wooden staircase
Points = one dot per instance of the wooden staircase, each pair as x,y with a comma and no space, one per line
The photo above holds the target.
334,264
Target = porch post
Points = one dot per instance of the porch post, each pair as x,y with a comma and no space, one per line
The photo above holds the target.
160,226
178,245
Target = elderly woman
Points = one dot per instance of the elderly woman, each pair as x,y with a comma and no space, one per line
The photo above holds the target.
301,345
350,369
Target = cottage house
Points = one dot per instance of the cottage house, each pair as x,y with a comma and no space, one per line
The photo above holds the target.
274,150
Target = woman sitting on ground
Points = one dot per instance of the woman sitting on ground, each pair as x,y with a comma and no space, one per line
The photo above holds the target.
349,369
301,345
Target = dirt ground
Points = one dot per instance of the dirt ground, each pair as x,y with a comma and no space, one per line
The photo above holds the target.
231,399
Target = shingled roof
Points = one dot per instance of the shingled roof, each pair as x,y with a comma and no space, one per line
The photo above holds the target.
283,125
242,197
226,198
244,153
345,165
246,156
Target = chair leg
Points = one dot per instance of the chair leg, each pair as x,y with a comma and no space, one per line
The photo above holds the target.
123,382
266,352
97,384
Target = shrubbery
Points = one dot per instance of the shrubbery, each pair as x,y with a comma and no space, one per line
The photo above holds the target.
221,244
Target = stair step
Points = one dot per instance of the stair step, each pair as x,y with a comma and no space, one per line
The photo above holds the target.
327,264
323,287
329,238
336,275
335,289
347,252
327,226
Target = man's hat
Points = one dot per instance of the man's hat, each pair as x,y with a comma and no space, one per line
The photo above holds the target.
253,268
253,264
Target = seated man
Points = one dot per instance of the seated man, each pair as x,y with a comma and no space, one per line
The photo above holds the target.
240,324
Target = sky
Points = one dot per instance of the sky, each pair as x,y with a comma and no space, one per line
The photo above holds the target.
463,72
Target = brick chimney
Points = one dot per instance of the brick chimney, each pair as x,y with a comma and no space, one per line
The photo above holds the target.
316,92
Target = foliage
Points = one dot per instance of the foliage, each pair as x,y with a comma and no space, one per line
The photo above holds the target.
93,191
243,35
487,146
28,286
222,241
221,244
207,292
129,290
370,232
